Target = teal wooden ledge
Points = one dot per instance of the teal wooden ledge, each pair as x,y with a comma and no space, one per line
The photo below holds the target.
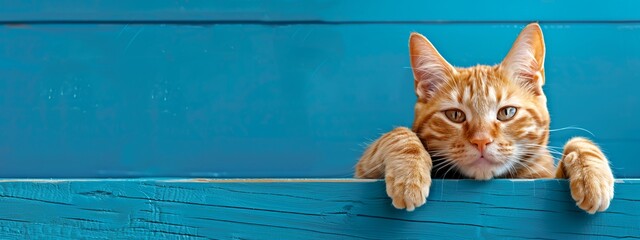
304,208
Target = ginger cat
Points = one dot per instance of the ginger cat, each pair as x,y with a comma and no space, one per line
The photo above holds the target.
482,122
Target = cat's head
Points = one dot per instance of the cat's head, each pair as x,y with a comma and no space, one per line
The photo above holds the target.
484,120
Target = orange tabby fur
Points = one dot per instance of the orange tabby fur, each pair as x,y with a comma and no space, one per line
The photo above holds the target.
478,144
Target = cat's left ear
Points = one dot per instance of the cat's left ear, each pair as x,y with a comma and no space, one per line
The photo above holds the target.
525,61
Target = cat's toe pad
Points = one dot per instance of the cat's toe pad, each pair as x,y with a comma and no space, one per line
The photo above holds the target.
408,193
592,192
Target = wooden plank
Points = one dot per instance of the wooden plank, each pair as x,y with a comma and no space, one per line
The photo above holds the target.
318,11
114,100
312,209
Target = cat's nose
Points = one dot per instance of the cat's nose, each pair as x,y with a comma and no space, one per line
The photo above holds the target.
481,142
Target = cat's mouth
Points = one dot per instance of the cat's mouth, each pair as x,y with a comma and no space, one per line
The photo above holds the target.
483,161
482,168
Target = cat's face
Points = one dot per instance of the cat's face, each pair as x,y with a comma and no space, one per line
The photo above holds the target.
484,121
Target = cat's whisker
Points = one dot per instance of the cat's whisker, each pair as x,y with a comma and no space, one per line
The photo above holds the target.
443,164
541,146
529,169
522,162
448,165
539,149
440,164
438,154
515,170
454,165
510,169
527,159
571,128
537,153
545,170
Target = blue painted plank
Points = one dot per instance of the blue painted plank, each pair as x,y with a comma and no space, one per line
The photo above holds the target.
319,11
309,208
111,100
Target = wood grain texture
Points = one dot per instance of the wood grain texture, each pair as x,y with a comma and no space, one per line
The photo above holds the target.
312,209
318,11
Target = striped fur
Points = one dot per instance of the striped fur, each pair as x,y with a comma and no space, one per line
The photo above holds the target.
400,157
482,146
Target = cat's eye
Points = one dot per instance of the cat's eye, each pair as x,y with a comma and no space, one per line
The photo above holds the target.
506,113
455,115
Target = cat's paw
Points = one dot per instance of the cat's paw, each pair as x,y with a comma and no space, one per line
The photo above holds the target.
592,190
408,192
592,193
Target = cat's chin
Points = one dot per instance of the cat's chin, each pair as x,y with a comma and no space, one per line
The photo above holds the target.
484,177
478,174
481,169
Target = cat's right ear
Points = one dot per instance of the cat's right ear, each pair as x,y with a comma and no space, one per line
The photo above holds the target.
430,70
525,61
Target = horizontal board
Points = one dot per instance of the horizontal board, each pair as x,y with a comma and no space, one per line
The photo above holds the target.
313,209
300,100
319,11
111,100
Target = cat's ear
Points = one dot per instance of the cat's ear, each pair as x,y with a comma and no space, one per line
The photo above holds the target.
430,70
525,61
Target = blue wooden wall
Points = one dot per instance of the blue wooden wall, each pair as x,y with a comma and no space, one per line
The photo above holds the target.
278,88
264,88
305,209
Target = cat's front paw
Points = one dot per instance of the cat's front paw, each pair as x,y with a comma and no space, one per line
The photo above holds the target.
409,191
592,189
